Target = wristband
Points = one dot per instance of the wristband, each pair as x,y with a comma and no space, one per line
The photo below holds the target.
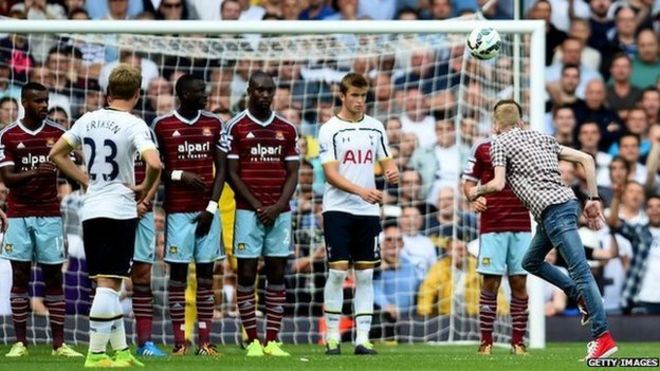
212,207
176,175
593,198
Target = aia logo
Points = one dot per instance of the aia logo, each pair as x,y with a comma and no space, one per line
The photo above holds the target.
358,157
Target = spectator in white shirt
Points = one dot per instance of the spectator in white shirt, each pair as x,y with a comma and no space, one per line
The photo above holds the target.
417,248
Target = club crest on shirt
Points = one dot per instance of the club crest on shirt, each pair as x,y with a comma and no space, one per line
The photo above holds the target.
241,246
50,142
9,248
279,135
485,262
173,249
206,132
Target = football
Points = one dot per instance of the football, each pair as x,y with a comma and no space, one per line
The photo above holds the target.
484,43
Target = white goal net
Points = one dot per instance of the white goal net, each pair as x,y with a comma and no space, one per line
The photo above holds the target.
434,99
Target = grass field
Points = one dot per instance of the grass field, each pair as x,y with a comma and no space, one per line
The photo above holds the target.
557,356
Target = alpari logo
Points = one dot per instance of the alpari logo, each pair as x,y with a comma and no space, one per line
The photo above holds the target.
31,161
266,153
194,151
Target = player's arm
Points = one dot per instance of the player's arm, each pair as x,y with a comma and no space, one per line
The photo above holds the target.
238,185
59,155
269,214
652,166
205,218
495,185
151,158
480,203
334,178
592,208
391,171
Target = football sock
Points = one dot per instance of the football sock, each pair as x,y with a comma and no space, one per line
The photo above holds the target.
364,304
487,313
54,301
519,316
177,304
246,307
102,318
204,309
19,309
333,300
143,309
275,299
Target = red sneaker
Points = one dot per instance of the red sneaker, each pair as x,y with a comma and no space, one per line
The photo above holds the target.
602,347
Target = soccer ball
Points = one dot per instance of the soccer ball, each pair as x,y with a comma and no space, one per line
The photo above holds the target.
484,43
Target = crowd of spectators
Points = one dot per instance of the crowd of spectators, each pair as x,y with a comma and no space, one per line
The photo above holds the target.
603,97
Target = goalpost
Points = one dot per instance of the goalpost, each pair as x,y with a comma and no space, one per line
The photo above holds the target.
458,89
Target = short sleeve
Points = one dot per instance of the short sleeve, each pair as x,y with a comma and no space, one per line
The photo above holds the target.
473,167
291,152
73,136
383,151
6,155
498,153
554,145
223,140
141,137
327,150
232,142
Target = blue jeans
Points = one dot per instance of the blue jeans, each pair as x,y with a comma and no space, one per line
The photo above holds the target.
558,228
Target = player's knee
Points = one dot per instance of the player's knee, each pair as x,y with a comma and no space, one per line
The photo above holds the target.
336,276
179,272
491,283
204,270
530,264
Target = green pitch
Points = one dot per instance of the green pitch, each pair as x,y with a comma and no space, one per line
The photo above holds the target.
557,356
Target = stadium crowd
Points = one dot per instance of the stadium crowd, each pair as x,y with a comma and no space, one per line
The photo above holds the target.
603,97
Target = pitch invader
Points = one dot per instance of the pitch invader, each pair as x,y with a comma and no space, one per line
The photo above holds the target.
110,138
350,144
193,146
505,234
35,224
143,259
263,172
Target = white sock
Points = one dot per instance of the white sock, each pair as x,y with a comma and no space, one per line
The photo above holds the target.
363,303
333,300
101,318
118,333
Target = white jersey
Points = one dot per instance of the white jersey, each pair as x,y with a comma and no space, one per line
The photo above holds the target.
356,146
109,140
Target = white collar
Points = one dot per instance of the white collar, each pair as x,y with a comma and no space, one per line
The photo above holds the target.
185,120
31,132
259,122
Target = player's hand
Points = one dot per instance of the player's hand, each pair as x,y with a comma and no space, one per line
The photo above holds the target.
594,214
392,176
139,191
143,208
193,181
472,194
204,221
371,195
5,222
46,168
480,204
267,215
392,310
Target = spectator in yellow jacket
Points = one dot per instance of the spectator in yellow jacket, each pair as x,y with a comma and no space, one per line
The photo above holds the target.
437,291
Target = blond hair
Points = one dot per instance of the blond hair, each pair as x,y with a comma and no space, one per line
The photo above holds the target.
507,113
124,82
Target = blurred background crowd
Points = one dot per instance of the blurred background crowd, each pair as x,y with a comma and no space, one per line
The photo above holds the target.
602,79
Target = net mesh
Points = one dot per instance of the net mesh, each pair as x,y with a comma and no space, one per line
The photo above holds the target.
418,81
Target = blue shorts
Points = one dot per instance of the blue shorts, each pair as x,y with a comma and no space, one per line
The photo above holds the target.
501,253
253,239
36,238
145,240
181,245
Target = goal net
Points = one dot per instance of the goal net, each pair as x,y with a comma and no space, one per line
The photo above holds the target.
434,99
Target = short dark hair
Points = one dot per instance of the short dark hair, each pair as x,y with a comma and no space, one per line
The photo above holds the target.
222,6
183,84
4,100
556,109
570,65
629,134
353,79
31,86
